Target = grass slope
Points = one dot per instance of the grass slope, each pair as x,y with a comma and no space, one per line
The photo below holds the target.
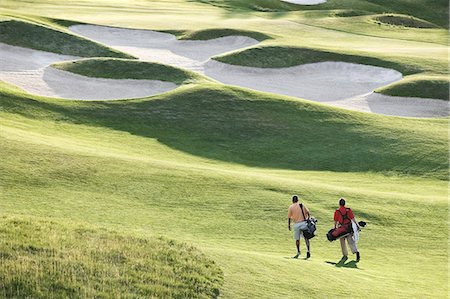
82,162
44,38
42,258
419,86
215,166
254,5
221,32
434,11
277,57
255,129
127,69
347,13
402,20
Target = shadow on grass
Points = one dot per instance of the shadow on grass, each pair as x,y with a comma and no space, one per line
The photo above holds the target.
253,129
342,264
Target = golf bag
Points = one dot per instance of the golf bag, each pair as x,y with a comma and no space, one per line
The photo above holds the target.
309,233
337,233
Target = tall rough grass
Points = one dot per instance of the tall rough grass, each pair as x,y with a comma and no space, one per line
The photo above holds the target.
44,259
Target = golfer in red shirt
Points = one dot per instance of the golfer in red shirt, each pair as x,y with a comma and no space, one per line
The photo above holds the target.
344,216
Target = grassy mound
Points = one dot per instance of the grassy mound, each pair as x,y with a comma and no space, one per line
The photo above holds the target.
127,69
405,21
256,129
435,11
350,13
422,87
278,56
254,5
42,259
113,163
221,32
44,38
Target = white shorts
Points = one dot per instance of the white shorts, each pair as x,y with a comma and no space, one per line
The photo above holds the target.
298,228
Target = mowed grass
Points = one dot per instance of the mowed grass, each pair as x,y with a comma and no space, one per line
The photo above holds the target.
45,38
406,21
69,160
279,57
42,258
435,87
128,69
312,27
222,32
215,166
257,129
435,11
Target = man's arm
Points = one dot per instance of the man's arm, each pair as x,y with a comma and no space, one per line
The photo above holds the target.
289,223
335,224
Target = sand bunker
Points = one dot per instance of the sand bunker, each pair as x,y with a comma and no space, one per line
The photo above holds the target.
163,47
61,84
29,70
16,59
395,106
305,2
322,82
339,84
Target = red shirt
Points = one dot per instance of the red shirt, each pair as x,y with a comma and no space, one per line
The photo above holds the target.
342,211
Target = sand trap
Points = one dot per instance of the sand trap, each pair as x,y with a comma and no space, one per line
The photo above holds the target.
163,47
55,83
305,2
340,84
322,82
29,70
13,59
396,106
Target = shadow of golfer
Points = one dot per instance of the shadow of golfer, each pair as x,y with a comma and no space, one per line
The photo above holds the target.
342,264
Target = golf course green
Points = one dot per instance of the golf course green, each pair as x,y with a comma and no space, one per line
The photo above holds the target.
184,193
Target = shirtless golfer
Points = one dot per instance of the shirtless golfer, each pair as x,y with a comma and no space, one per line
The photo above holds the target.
295,213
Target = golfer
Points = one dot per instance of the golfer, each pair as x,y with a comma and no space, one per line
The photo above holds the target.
298,213
344,216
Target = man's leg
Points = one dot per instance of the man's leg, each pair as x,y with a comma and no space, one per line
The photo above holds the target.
343,247
297,240
353,247
308,253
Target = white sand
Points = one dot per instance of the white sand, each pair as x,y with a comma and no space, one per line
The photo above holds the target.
305,2
29,70
163,47
396,106
13,59
339,84
56,83
321,82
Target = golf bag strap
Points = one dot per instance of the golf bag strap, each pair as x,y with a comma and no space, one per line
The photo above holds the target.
303,213
344,215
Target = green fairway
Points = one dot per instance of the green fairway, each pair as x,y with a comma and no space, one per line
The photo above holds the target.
35,36
127,69
185,194
436,87
216,33
282,56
